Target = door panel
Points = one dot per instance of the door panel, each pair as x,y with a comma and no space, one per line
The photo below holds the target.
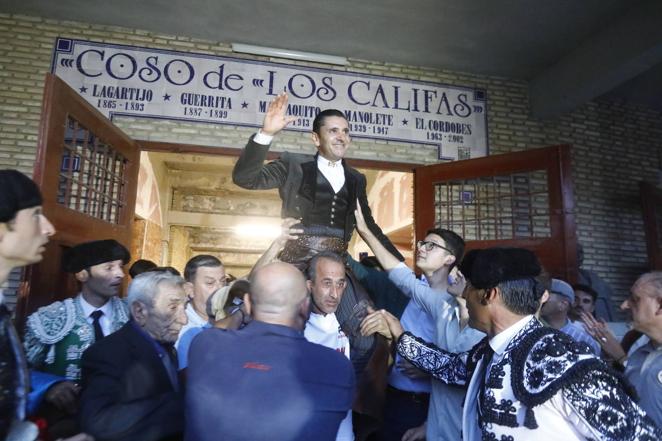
87,170
523,199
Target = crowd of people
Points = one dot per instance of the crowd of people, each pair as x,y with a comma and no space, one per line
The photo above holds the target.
314,345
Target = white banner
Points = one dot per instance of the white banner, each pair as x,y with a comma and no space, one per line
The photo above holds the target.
154,83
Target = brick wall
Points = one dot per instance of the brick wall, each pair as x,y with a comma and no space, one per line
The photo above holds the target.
615,145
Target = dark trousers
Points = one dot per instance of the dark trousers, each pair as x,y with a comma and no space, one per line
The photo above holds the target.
402,411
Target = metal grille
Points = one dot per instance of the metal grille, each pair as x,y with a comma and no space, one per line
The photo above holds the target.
495,207
91,174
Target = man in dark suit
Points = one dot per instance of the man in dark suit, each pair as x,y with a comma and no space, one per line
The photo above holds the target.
320,190
265,381
130,385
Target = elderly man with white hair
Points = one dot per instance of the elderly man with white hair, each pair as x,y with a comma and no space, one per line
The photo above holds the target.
130,385
644,366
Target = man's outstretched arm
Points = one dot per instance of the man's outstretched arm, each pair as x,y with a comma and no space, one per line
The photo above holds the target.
250,171
271,255
451,368
385,257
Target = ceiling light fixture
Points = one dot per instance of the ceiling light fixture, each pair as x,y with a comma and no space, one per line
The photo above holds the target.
289,54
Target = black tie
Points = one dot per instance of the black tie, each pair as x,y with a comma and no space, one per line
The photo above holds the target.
96,316
170,363
485,368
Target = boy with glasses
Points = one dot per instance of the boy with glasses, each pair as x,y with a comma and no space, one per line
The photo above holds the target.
440,298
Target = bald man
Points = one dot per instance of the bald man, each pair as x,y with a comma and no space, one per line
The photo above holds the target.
266,381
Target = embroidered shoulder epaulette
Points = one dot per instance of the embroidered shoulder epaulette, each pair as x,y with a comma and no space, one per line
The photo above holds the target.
547,360
120,311
53,322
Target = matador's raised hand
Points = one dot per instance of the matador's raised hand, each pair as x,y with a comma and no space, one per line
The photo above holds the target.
276,118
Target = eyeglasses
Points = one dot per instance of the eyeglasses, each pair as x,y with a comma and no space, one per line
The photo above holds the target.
429,246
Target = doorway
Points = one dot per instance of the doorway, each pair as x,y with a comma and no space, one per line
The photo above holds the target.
187,205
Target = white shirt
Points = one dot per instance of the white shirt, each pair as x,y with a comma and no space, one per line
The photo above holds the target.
105,320
332,171
194,321
325,330
500,342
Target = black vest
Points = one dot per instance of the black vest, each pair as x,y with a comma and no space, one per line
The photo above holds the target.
329,208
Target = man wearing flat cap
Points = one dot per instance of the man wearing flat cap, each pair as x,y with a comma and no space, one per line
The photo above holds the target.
555,314
525,380
57,335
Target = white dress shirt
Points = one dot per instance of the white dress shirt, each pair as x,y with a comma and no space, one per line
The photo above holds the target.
325,330
332,170
105,320
194,321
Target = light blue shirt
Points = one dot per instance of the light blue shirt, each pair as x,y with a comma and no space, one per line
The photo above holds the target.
415,320
445,411
184,342
577,332
644,370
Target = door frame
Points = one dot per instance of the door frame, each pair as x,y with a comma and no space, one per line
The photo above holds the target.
557,253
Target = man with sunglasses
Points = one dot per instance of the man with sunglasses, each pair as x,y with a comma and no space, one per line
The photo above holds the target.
440,298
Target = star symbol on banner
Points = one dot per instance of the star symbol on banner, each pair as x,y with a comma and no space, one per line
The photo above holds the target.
244,105
166,97
83,89
404,122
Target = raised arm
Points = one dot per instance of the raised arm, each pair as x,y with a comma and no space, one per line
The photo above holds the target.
286,233
250,171
385,257
434,302
443,365
362,202
381,290
276,118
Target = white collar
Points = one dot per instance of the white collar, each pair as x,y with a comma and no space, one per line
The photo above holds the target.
322,162
328,322
193,317
499,342
88,309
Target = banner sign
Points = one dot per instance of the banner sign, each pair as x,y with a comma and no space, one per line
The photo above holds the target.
172,85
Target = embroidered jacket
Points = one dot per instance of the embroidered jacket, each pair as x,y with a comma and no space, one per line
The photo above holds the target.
57,335
544,384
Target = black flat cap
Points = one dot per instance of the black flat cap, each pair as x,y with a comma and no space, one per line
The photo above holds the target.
88,254
17,192
487,268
